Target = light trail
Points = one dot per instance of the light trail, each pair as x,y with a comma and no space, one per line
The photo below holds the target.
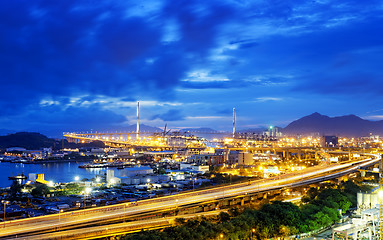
89,216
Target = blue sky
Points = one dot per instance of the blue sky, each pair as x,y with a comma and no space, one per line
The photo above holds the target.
80,65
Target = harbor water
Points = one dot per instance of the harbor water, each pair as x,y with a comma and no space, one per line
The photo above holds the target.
56,172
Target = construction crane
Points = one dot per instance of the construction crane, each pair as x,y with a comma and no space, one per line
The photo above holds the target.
165,132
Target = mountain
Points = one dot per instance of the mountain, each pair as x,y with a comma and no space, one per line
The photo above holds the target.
35,141
199,130
28,140
348,126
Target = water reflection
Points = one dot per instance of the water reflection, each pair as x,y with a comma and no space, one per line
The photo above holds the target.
56,172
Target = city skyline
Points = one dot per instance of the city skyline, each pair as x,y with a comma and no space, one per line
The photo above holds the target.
76,65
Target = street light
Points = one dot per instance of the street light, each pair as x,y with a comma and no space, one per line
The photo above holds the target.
5,203
51,184
76,178
86,192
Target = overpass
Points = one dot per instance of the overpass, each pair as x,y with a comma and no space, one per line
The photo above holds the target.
87,218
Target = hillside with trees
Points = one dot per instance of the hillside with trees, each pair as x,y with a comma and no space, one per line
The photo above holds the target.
277,219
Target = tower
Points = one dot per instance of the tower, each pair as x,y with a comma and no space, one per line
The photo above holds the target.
233,122
138,121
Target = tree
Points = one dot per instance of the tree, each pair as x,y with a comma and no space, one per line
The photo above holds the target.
73,188
180,221
15,190
40,190
310,195
283,213
223,217
334,198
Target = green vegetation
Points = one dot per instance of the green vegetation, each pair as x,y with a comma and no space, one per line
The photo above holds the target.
72,188
321,207
224,178
15,190
63,189
40,190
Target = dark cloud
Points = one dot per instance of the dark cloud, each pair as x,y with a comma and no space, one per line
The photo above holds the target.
54,120
356,84
199,22
81,47
171,115
92,116
343,61
207,85
56,51
224,111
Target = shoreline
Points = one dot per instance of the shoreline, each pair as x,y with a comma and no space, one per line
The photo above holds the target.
50,161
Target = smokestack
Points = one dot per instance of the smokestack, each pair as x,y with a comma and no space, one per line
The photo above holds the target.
233,122
138,120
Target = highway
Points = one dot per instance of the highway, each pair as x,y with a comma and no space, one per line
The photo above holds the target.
85,218
113,229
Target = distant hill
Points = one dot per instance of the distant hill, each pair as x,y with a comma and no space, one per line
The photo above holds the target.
28,140
253,130
348,126
143,128
4,132
35,141
199,130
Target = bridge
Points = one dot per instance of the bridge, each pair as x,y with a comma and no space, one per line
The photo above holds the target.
157,141
149,141
151,212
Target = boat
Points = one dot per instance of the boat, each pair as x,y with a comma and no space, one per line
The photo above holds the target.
18,177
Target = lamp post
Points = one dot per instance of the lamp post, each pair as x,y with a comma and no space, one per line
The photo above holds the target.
86,192
125,205
5,204
380,195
